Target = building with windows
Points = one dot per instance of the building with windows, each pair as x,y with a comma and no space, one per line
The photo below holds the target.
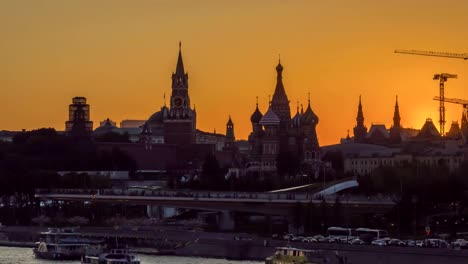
78,117
397,146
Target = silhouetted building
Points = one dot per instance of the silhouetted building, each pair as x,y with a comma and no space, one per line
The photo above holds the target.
230,140
464,127
176,124
276,132
360,130
395,129
78,117
378,133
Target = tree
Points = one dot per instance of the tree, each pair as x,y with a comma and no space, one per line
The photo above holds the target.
113,137
211,175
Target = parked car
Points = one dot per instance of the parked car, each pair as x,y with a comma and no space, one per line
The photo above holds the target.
435,243
410,243
288,236
297,238
309,240
357,241
461,243
396,242
320,238
379,242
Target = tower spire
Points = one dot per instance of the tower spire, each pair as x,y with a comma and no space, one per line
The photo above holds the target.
360,115
180,64
279,101
396,114
360,131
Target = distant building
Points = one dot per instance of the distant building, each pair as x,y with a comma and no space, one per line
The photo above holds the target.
108,126
128,123
169,139
78,117
379,146
176,124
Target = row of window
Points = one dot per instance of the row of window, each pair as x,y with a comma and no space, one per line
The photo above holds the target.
393,162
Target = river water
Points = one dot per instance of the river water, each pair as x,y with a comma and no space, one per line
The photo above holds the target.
12,255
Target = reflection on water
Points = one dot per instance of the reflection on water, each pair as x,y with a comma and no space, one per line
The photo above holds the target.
10,255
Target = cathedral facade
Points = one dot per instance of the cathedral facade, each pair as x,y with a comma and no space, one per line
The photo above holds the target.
277,133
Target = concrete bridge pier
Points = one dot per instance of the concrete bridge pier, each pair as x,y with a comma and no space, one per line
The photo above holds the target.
226,221
155,211
293,228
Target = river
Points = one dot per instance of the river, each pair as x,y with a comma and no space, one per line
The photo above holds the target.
12,255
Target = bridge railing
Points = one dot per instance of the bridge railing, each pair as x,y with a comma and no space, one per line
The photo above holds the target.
299,196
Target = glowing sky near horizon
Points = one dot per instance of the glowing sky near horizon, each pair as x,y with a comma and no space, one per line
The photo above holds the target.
120,55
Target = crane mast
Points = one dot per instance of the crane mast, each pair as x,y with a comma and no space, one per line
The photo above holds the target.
462,102
442,77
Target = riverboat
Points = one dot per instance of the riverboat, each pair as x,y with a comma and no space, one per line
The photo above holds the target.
289,255
62,244
114,256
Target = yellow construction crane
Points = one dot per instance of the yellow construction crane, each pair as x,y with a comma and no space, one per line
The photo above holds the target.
434,53
464,103
442,77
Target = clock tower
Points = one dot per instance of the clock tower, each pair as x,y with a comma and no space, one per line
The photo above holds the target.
180,124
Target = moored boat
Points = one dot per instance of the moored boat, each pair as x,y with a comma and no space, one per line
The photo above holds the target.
61,244
289,255
114,256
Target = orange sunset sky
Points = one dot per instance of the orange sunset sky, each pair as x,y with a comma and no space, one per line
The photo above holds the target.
120,55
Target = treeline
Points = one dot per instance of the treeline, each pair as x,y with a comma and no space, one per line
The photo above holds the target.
33,159
421,191
431,184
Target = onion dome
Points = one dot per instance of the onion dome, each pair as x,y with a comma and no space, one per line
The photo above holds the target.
270,118
309,117
296,120
279,68
256,116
